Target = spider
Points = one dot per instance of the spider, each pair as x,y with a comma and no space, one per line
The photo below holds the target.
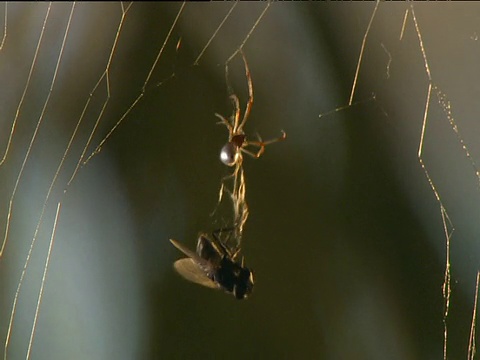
231,152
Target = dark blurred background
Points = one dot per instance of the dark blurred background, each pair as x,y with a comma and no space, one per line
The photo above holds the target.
345,234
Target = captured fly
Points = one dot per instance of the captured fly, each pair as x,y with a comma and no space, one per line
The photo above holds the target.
214,266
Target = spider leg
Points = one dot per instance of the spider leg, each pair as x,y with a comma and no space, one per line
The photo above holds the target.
236,109
227,80
261,144
250,94
226,123
281,138
252,154
235,119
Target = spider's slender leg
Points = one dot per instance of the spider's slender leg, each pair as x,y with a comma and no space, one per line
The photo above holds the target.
226,123
281,138
227,80
261,144
252,154
250,94
236,109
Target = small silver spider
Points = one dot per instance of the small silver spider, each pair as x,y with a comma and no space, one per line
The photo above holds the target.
231,152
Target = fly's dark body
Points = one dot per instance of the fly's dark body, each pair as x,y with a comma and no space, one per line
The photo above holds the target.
214,266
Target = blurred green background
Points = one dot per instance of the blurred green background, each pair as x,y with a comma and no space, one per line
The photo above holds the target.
345,235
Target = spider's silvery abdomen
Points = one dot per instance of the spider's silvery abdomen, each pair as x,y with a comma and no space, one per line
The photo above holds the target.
229,154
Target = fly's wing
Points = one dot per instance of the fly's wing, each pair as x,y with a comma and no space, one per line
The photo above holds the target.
190,270
193,268
186,250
